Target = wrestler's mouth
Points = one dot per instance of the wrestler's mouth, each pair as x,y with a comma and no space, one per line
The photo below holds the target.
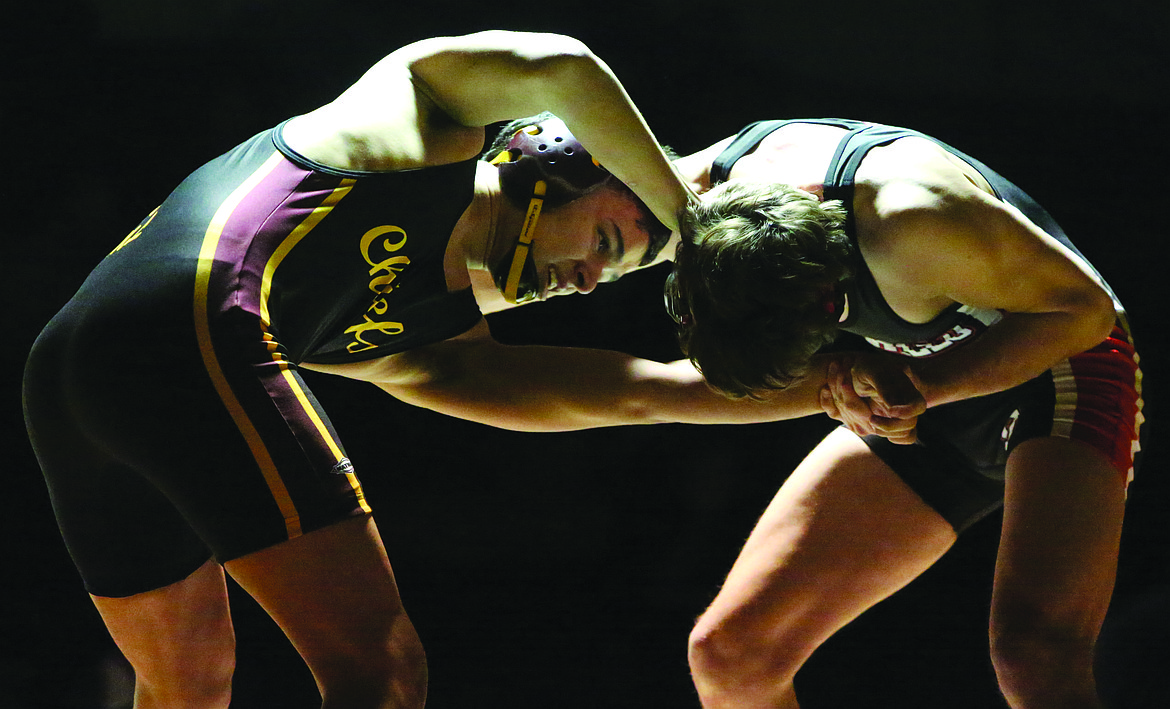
554,285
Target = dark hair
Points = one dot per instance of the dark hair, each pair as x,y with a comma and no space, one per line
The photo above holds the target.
757,283
518,188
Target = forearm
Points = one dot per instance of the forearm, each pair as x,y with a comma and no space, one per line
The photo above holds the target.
586,95
561,389
1018,348
614,131
496,76
676,393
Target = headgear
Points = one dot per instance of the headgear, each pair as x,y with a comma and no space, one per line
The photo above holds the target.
542,163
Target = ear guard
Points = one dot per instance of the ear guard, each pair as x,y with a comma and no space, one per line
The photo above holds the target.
543,163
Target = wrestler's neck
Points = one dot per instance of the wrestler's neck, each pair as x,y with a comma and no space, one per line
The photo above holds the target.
485,230
695,168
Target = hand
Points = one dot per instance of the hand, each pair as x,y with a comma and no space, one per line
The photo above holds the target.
874,394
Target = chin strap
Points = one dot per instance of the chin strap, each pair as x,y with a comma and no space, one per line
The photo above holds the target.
522,253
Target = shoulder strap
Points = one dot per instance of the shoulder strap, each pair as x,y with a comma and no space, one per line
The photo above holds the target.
744,143
749,138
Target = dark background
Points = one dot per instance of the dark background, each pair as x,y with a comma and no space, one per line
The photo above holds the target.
565,569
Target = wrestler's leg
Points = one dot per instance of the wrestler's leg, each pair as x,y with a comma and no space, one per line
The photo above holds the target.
843,533
1063,508
179,640
333,593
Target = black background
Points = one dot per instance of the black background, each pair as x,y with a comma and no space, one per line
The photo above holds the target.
565,570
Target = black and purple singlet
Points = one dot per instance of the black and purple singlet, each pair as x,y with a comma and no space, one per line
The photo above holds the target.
164,400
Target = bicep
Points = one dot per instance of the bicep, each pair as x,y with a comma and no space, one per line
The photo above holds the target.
981,252
428,102
491,76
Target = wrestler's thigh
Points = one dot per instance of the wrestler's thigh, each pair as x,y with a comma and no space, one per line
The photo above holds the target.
842,533
1063,510
178,638
333,593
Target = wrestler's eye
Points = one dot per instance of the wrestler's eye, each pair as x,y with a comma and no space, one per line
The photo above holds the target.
604,243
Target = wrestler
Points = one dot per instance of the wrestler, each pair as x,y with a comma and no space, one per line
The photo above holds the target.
165,400
957,284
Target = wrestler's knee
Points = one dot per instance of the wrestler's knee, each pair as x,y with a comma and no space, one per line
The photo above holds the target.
209,687
200,679
1040,659
735,656
392,677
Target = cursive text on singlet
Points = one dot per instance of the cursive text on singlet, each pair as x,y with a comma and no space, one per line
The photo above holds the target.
378,246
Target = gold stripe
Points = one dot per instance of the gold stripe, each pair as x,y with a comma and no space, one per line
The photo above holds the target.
338,455
300,232
211,237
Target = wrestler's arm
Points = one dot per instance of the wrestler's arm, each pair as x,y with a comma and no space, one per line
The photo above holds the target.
493,76
965,246
427,103
537,388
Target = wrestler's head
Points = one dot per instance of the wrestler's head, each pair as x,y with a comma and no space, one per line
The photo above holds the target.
758,284
582,225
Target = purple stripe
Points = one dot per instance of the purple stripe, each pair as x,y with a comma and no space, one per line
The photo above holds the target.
258,225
